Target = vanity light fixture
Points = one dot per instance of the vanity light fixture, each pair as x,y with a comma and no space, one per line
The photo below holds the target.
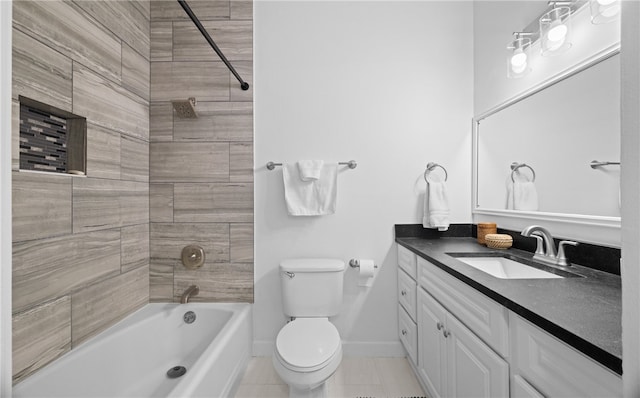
555,28
603,11
519,55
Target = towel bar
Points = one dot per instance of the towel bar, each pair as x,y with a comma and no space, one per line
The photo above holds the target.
352,164
595,163
515,166
431,166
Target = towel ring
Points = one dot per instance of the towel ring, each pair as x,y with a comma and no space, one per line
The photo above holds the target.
515,166
431,166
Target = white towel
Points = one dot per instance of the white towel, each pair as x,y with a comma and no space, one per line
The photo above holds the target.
310,169
436,204
314,197
521,195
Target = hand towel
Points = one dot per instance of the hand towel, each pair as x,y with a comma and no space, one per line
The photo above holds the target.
436,204
310,169
521,195
314,197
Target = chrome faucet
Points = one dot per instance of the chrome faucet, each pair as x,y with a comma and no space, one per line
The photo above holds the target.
192,290
548,254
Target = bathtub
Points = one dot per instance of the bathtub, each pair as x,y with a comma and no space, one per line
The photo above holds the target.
132,358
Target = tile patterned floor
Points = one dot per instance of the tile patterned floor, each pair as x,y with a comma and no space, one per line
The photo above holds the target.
355,378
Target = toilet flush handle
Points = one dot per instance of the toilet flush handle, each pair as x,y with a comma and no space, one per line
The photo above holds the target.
290,274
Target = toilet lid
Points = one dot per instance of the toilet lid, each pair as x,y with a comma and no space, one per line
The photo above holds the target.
307,342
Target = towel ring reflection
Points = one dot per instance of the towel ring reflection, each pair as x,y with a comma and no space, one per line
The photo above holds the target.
515,166
431,166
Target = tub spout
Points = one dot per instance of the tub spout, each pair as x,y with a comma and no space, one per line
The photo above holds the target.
192,290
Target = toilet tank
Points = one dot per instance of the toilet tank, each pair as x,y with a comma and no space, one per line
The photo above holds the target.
311,287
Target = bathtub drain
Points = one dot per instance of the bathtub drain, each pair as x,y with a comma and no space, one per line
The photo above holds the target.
189,317
176,371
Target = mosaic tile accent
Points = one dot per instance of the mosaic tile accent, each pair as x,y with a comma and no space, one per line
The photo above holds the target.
43,141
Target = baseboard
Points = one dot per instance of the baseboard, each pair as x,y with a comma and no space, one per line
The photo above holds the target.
363,349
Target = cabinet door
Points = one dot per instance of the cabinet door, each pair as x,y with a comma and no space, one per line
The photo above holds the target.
431,344
520,388
473,369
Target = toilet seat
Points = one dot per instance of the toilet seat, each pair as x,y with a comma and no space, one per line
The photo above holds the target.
307,344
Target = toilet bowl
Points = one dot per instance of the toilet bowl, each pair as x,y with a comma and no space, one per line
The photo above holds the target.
308,351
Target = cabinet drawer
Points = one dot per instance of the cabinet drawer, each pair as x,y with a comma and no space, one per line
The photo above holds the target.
556,369
408,332
407,261
407,293
487,319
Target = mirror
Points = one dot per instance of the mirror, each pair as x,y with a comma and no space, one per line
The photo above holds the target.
557,130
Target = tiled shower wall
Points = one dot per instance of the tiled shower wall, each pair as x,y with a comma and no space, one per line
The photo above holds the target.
201,170
80,250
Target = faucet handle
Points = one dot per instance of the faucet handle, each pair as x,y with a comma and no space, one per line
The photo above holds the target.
540,244
562,258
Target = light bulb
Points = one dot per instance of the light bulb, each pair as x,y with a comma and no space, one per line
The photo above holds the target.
519,59
606,2
609,11
557,32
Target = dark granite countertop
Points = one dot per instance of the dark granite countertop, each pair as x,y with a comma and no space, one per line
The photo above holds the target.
585,312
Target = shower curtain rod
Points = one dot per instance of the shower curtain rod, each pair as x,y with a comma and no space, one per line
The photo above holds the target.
243,85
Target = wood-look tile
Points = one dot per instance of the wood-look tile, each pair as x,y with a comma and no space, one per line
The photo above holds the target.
241,9
134,203
241,238
66,28
102,204
168,239
223,283
40,73
161,41
135,159
241,162
134,247
103,152
144,6
47,268
206,81
160,121
189,162
213,202
136,71
161,202
245,70
15,135
101,305
40,335
41,205
96,204
124,19
234,38
161,280
217,121
108,105
204,9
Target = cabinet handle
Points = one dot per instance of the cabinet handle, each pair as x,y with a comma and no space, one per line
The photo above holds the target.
446,333
404,292
439,325
404,332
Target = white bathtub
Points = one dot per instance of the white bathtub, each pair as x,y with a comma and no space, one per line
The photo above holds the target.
131,358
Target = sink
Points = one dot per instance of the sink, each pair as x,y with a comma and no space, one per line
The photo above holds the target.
507,268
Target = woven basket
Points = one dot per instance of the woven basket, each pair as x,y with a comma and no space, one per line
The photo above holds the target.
498,241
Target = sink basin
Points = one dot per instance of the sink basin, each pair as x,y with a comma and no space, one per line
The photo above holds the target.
505,268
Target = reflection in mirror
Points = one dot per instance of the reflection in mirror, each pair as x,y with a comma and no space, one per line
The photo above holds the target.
557,132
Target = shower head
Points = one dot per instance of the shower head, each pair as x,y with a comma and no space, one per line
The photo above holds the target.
185,108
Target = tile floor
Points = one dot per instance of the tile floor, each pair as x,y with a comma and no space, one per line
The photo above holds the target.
355,378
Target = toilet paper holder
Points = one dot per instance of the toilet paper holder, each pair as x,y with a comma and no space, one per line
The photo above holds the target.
355,263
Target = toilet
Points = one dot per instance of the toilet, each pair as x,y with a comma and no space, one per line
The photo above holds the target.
308,348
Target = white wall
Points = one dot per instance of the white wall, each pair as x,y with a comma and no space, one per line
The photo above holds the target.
388,84
5,199
630,69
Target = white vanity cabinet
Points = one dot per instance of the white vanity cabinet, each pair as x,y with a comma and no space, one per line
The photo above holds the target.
407,327
452,360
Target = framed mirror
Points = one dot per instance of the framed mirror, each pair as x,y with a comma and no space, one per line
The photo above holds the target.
555,131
